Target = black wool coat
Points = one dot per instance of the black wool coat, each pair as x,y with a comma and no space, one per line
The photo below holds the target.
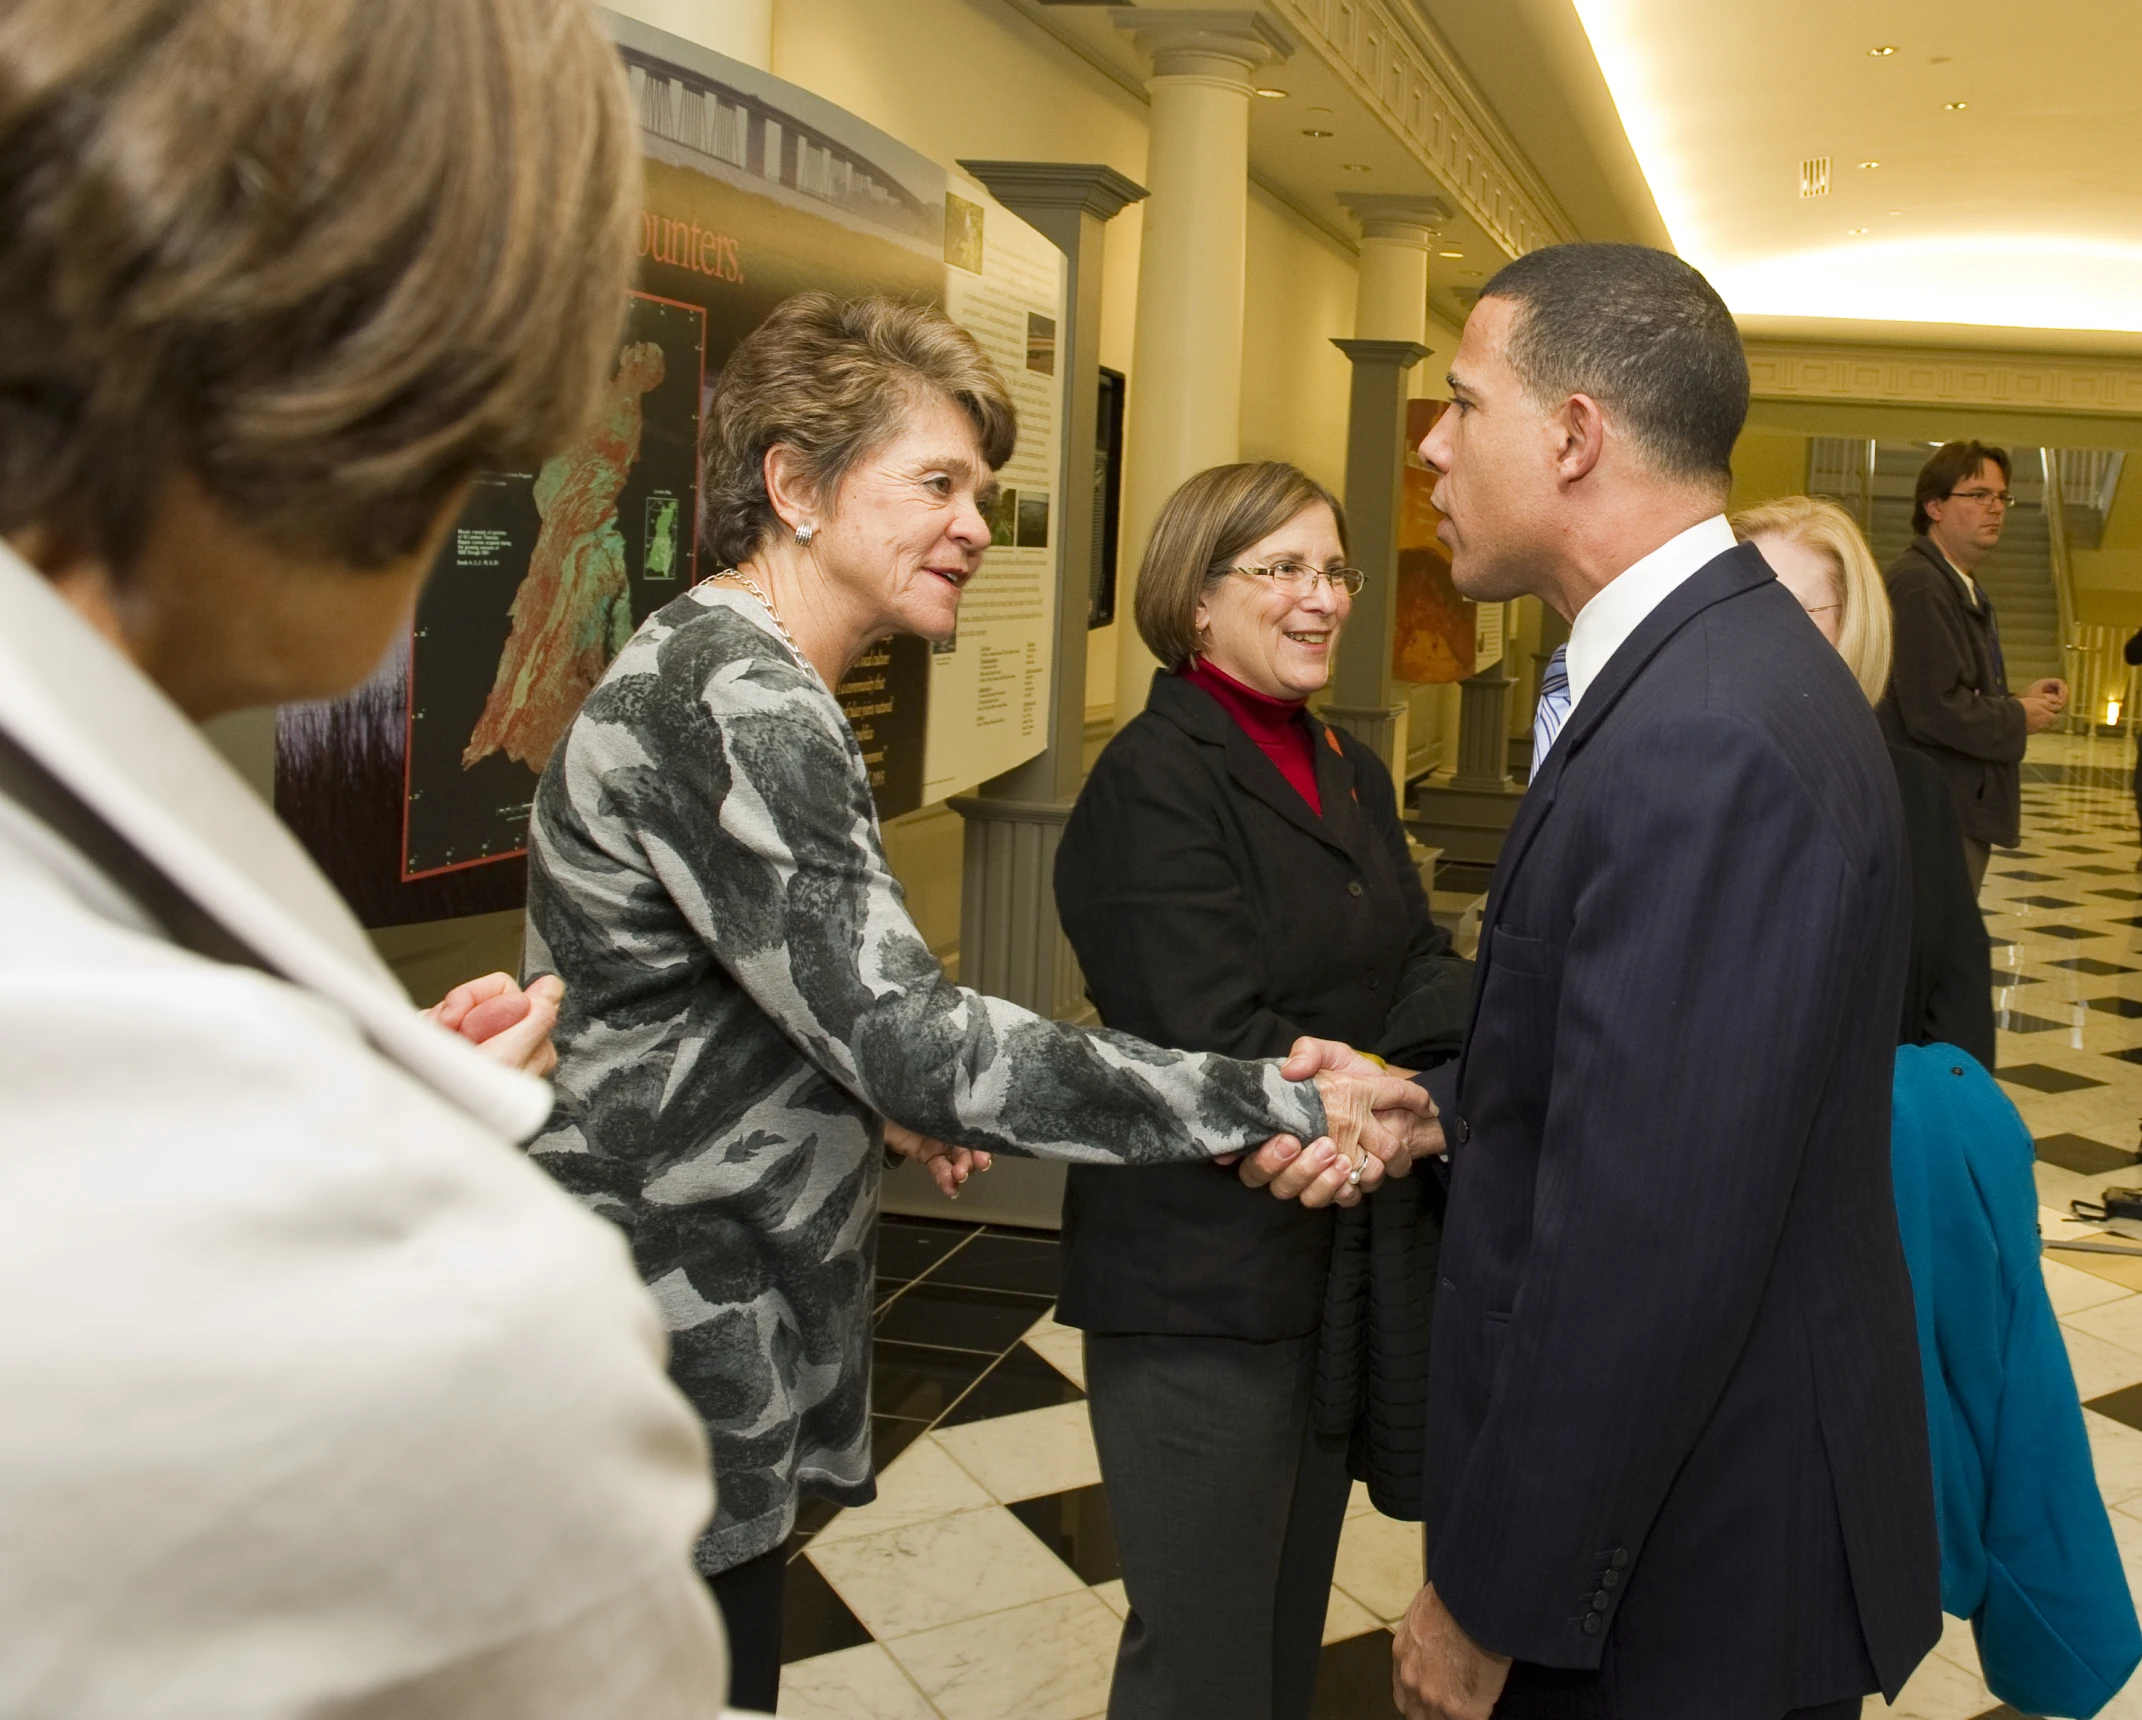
1212,910
1948,693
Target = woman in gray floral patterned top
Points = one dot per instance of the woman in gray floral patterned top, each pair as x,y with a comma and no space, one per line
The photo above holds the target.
747,1000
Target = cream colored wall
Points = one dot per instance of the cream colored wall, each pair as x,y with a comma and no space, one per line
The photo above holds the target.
1767,464
2108,579
1298,298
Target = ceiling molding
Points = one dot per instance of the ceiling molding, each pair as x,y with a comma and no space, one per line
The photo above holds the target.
1926,376
1396,63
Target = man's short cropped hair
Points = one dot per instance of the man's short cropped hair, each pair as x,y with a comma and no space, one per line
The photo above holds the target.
1200,534
326,258
1952,464
832,380
1644,335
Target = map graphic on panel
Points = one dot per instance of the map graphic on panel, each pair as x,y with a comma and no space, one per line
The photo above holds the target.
540,587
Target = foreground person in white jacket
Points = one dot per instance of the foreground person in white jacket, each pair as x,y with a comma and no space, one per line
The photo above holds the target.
316,1398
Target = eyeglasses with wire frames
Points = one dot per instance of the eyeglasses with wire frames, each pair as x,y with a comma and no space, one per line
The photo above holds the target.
1298,578
1984,498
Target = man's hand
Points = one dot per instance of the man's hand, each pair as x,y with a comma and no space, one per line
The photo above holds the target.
504,1022
1437,1671
2042,702
1401,1127
949,1166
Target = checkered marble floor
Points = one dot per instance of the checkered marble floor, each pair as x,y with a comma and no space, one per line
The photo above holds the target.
982,1583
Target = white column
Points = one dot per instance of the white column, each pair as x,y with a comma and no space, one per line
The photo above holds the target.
1186,383
1391,301
742,29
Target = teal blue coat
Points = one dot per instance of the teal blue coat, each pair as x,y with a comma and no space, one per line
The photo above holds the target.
2027,1553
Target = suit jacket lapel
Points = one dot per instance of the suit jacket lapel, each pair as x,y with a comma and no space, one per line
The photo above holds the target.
1192,709
1739,569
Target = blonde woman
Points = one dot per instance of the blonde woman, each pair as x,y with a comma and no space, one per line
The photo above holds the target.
1819,556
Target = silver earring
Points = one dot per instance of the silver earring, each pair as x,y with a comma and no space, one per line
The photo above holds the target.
804,534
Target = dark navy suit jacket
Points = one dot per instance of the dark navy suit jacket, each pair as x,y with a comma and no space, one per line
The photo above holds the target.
1676,1429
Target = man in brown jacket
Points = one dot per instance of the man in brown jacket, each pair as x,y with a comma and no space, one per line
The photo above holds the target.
1948,691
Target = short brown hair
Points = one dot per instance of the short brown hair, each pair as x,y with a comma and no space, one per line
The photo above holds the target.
328,259
1202,528
831,380
1951,464
1864,632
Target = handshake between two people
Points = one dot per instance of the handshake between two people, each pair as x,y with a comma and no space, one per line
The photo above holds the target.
1380,1120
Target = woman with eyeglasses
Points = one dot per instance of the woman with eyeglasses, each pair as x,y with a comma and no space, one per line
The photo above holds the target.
1234,876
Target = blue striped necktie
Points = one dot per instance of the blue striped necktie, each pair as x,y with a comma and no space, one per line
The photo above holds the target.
1553,709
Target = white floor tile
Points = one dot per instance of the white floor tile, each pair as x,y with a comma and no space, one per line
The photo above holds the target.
2072,1290
945,1571
1346,1618
1940,1690
1062,1347
850,1685
2116,1453
1051,1660
1380,1564
1024,1456
921,1483
2100,1366
2117,1320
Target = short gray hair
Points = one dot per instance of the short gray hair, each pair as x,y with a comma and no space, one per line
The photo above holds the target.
1643,334
831,380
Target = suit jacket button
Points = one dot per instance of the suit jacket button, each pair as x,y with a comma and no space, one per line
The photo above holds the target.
1601,1601
1621,1558
1375,981
1610,1580
1593,1624
1462,1130
1353,886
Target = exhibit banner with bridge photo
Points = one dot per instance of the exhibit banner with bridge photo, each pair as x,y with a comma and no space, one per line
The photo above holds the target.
414,792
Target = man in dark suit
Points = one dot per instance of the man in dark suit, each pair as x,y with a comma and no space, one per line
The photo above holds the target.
1677,1455
1948,688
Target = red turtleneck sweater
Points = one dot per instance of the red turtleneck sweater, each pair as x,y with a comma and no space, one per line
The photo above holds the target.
1274,724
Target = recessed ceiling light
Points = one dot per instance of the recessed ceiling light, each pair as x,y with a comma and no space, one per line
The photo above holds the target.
1855,230
1272,95
1880,53
1954,107
1866,164
1353,167
1896,211
1312,131
1326,112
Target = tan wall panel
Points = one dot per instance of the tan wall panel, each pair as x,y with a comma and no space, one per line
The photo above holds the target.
1295,383
1767,464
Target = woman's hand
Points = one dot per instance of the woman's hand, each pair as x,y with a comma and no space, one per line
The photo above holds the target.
504,1022
949,1166
1400,1126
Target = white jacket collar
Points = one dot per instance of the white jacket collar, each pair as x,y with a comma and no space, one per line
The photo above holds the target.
100,726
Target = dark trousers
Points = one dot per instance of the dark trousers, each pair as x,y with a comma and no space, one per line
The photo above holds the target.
1227,1509
1539,1693
750,1601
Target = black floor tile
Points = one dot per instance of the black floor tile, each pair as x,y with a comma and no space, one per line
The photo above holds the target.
1021,1381
2082,1155
2004,1712
2047,1079
2071,933
2045,902
2029,877
1075,1527
960,1319
996,1260
1994,943
918,1382
2090,965
2103,871
2015,1021
909,1247
2005,977
2123,1406
890,1435
2079,847
815,1620
2130,1007
2119,894
1353,1679
2131,1055
2131,920
812,1515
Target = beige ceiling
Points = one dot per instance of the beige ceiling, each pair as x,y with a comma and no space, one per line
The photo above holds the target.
2016,219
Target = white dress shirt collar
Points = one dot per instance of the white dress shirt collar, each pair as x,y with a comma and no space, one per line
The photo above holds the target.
1619,608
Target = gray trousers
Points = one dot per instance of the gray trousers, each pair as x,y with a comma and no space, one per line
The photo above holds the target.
1227,1510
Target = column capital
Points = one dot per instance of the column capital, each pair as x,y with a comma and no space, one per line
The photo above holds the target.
1193,41
1383,215
1391,354
1087,186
